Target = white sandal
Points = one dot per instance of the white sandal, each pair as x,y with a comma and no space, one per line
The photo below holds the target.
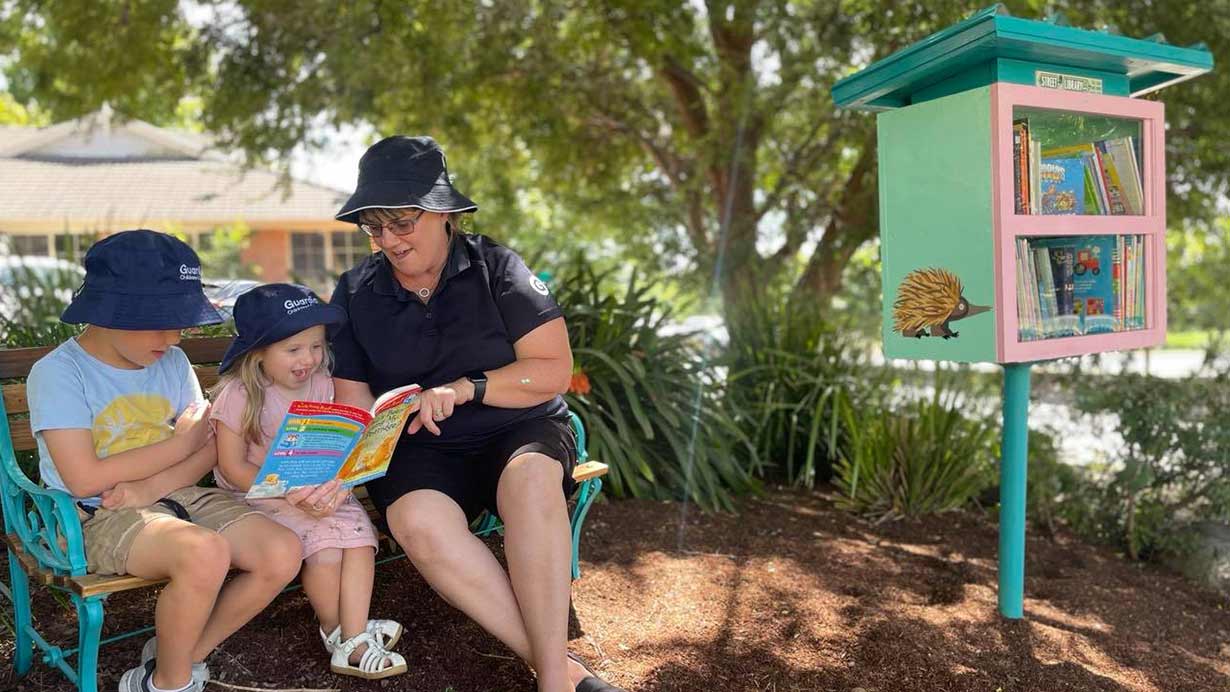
386,632
375,663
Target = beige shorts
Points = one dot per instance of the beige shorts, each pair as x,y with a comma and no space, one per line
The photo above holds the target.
109,534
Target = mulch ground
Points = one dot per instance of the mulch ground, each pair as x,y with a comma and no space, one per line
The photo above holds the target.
789,594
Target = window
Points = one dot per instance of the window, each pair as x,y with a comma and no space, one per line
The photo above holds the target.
347,249
308,260
38,245
72,246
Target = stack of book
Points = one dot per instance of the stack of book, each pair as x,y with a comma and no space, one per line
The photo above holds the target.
1074,285
1101,177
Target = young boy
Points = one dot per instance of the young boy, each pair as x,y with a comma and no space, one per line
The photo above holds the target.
122,427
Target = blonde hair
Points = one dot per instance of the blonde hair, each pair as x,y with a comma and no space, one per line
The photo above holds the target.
251,376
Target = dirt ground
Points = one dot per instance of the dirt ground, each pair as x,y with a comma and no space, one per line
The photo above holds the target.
789,594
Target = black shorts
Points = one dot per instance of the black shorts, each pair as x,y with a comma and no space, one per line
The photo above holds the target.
469,473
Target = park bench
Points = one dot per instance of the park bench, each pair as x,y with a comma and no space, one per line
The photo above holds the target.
42,532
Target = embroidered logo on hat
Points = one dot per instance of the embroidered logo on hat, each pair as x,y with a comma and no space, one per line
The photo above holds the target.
187,273
293,306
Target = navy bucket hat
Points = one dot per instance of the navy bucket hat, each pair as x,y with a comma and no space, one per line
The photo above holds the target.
141,280
404,172
272,312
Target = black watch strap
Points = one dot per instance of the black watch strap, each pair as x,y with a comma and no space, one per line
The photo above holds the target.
479,379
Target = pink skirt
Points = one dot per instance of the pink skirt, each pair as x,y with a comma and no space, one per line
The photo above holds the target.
347,527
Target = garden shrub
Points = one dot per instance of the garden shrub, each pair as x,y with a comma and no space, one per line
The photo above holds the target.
1175,467
652,406
793,379
923,458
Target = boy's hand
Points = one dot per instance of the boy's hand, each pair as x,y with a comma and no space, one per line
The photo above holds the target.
193,426
129,494
319,500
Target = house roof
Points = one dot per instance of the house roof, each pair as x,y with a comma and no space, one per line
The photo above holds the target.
96,175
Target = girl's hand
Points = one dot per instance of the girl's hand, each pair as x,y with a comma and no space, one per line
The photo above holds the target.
320,500
129,494
435,405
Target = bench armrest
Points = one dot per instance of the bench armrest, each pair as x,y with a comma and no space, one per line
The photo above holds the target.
45,520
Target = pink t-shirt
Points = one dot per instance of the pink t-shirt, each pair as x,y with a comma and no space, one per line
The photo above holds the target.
229,408
348,525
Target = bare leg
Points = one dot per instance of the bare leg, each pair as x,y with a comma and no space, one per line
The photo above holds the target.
358,573
269,555
196,560
539,548
322,583
433,531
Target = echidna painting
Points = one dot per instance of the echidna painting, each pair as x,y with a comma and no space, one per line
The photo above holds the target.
927,300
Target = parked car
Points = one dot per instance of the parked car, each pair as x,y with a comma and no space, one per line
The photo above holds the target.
223,292
36,288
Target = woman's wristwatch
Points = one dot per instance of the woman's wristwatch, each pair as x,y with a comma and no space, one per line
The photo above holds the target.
479,379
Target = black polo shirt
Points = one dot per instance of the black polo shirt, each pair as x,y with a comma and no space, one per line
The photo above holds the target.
486,300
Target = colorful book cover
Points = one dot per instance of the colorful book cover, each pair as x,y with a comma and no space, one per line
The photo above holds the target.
1093,289
1093,299
1122,154
320,441
1060,253
1110,180
1063,186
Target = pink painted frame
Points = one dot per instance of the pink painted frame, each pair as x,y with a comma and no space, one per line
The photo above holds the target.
1008,225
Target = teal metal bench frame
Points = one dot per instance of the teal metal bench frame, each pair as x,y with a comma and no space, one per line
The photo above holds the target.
47,525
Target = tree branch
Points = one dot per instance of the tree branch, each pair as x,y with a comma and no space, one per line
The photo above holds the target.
685,87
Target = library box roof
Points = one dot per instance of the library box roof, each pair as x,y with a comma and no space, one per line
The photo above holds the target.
993,46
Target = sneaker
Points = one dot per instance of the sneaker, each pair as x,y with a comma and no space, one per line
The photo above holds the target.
200,671
138,680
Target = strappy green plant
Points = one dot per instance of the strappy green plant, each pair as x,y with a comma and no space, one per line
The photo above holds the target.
654,409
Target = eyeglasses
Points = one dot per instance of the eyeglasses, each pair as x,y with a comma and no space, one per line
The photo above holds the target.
398,227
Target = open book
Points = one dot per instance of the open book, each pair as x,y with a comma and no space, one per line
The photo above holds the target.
319,441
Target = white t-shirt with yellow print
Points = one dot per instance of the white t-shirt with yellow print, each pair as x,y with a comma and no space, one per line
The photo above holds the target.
122,409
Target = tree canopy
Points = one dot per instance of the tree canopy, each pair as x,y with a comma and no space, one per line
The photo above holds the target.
676,129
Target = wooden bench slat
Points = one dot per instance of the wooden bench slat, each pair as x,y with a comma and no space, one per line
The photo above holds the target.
23,439
16,362
15,400
588,470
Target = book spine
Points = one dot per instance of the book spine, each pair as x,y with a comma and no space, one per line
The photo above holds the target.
1019,184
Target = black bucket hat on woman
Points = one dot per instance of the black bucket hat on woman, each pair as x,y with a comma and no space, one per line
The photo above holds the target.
272,312
404,172
141,280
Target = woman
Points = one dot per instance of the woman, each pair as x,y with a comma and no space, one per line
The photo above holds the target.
467,320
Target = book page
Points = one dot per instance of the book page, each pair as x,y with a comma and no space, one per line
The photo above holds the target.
311,445
370,457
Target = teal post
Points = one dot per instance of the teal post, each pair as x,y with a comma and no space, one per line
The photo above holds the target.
1012,474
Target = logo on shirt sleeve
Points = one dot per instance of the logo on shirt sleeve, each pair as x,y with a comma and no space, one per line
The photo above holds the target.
539,287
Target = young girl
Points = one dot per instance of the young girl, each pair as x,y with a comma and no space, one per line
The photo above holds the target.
279,356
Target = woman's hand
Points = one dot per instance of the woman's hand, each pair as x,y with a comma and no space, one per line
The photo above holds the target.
437,404
318,500
129,494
